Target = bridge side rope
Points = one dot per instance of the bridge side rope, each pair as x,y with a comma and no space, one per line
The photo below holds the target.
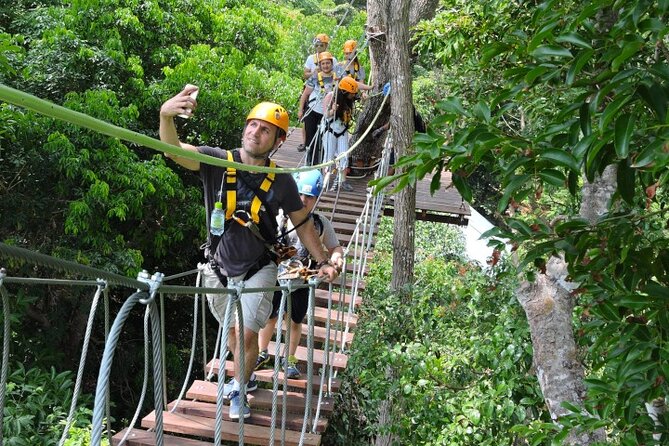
218,425
145,381
82,362
275,382
238,286
191,360
46,108
5,348
68,266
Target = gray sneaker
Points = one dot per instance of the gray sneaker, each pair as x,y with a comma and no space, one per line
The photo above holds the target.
236,406
250,386
346,186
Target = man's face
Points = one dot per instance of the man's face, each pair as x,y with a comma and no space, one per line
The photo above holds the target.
325,65
259,137
348,55
308,201
320,46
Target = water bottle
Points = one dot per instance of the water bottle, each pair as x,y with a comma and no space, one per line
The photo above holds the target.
217,221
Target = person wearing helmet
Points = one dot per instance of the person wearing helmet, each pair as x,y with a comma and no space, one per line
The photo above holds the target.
311,103
352,67
309,185
240,254
338,117
321,43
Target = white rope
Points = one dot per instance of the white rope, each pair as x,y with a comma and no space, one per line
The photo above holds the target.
82,363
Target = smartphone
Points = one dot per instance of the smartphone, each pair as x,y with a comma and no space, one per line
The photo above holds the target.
192,95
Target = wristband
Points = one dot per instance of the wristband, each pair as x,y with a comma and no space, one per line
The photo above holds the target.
319,265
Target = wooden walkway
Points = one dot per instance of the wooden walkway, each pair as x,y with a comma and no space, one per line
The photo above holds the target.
192,423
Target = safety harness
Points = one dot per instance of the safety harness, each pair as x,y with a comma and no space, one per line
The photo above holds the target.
355,74
260,196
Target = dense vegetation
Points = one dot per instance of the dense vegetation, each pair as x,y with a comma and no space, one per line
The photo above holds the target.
81,196
460,355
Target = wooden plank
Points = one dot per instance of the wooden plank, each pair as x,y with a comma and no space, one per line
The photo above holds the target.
261,398
322,297
342,227
321,316
338,360
267,376
204,427
140,437
258,417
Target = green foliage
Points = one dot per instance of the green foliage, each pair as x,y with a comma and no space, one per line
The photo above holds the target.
539,97
37,403
456,362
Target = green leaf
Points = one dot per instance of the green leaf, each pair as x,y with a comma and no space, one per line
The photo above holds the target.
492,50
541,35
574,39
482,111
649,154
462,186
581,147
598,385
627,51
626,177
535,73
572,182
584,119
551,51
655,98
560,157
577,65
612,109
623,133
510,189
656,290
552,176
452,105
520,226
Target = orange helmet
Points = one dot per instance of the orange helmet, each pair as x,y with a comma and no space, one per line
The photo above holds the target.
350,46
321,38
272,113
325,55
349,85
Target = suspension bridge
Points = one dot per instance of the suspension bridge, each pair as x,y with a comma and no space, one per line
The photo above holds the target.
284,411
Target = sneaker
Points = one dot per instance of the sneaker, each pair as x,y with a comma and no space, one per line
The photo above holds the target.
346,186
263,359
301,148
290,368
334,187
250,386
236,407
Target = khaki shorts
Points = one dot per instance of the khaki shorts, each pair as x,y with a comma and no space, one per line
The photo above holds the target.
256,307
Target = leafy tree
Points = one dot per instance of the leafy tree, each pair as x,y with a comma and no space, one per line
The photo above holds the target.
580,100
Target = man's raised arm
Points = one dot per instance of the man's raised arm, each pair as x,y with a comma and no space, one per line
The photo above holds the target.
182,103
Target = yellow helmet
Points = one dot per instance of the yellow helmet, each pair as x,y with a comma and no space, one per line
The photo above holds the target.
321,38
349,85
272,113
325,55
350,46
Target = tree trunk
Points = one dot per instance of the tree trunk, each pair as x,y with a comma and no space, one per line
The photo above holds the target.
548,305
382,69
401,133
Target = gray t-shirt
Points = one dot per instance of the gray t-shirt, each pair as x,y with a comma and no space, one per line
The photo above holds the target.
327,234
239,249
319,92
